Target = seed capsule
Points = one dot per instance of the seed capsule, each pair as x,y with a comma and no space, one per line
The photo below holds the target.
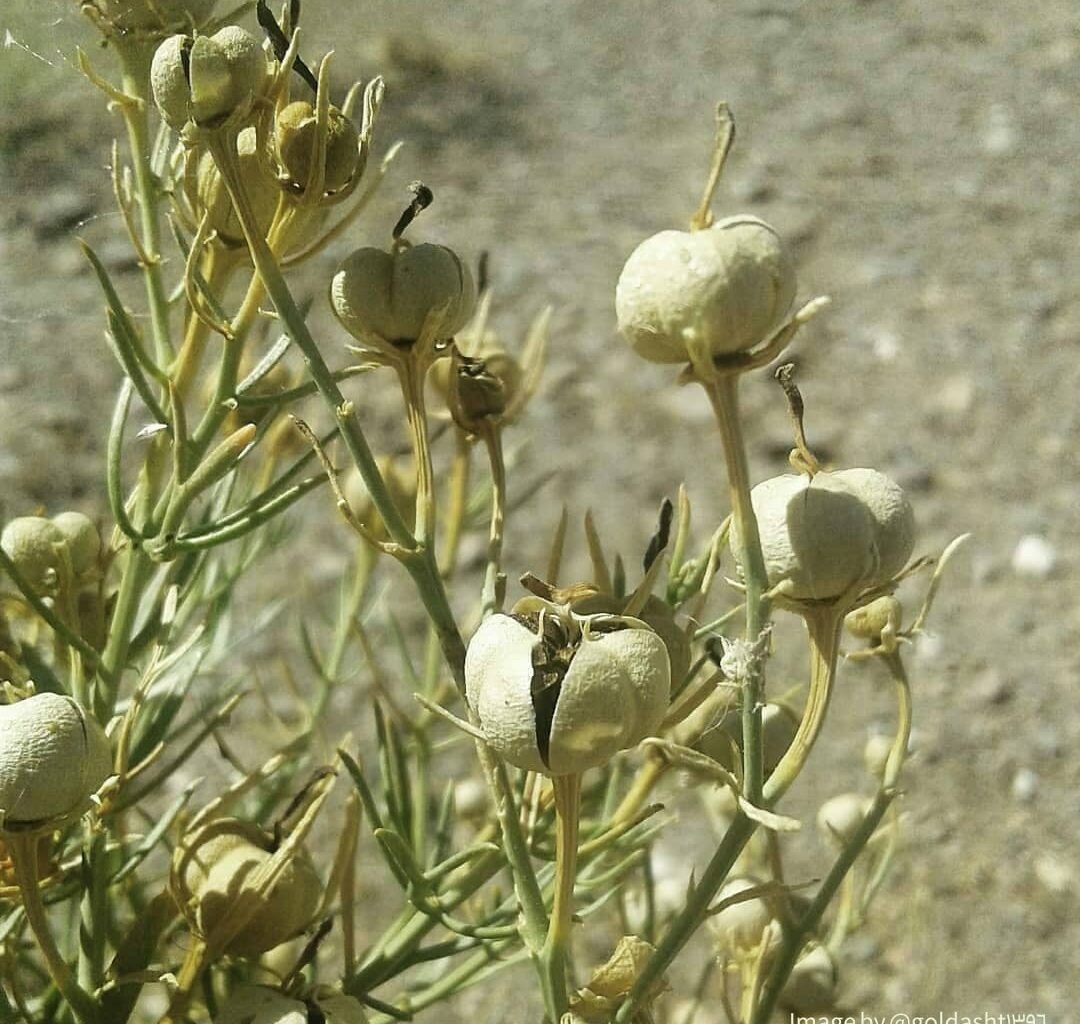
825,534
209,195
209,79
691,296
83,542
840,817
35,546
53,758
294,136
740,928
811,986
213,880
384,298
559,702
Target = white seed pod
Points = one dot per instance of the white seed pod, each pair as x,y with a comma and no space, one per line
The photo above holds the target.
214,879
386,297
53,758
83,541
255,1004
690,296
811,986
876,754
338,1008
613,693
841,816
825,534
740,928
209,79
34,544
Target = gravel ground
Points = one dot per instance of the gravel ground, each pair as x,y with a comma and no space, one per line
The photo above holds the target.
921,160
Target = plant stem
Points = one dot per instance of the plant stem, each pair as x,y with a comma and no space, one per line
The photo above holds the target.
458,496
823,625
489,603
22,848
135,71
552,959
795,937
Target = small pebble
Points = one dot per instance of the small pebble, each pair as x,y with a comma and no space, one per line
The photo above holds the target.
990,688
1034,556
1025,785
1054,873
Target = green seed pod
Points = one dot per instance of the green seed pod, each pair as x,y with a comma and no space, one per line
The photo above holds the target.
740,928
83,542
208,80
383,298
53,758
811,986
840,817
825,534
552,702
212,880
210,195
691,296
294,137
35,546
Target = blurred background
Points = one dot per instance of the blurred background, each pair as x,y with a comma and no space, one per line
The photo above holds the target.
921,161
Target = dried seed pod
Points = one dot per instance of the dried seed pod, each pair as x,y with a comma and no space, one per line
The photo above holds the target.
811,986
35,545
559,700
882,615
691,296
208,80
740,928
207,192
213,880
153,16
53,758
83,542
825,534
384,298
294,138
840,817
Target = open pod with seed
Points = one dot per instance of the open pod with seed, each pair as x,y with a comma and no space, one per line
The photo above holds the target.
53,757
220,882
559,693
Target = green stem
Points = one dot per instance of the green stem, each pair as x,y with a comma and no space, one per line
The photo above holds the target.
723,393
135,82
796,936
551,962
22,847
136,572
490,595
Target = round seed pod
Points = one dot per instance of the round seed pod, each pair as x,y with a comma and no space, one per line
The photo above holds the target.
256,1004
740,928
659,616
840,817
811,986
294,137
383,298
210,195
690,296
209,79
825,534
83,542
213,878
156,17
876,754
53,758
559,709
35,545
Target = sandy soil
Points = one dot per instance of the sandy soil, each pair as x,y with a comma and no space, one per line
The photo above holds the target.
921,159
